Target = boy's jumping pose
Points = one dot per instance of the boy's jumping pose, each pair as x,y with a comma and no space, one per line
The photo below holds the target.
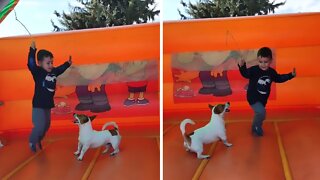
44,76
260,78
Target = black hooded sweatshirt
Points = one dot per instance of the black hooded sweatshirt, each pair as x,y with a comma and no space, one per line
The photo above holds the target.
260,82
45,82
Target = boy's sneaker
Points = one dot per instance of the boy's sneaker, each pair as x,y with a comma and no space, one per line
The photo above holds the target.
129,102
258,131
142,101
33,147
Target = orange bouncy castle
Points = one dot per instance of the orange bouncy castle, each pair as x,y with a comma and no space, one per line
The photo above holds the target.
106,63
200,67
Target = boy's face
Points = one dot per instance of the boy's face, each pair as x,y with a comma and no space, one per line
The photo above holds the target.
264,62
46,64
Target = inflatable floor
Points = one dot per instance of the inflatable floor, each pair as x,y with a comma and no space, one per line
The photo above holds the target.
110,65
200,67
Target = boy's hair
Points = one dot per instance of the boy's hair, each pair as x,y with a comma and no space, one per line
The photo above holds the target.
43,53
265,52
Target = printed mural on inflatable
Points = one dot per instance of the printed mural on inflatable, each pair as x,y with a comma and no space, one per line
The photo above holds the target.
205,76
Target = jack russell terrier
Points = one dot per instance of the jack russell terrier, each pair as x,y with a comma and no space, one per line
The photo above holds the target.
215,130
89,138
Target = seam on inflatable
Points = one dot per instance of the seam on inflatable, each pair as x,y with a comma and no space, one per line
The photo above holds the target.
284,159
91,165
204,163
26,162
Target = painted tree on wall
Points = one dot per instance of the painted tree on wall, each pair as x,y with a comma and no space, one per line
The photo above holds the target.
106,13
227,8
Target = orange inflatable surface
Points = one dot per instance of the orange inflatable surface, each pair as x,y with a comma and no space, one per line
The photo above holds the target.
294,39
107,51
202,54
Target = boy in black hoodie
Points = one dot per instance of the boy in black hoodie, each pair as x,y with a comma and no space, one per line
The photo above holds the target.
44,76
260,78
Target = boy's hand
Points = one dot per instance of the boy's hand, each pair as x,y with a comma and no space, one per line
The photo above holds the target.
70,60
294,74
33,45
241,62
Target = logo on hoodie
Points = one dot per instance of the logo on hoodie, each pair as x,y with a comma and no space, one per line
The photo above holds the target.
50,82
263,84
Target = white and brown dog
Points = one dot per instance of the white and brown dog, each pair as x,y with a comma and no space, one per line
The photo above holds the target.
215,130
89,138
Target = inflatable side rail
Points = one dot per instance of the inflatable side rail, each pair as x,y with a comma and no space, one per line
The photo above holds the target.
277,31
126,43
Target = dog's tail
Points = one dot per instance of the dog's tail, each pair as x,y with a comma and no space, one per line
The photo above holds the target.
110,124
183,125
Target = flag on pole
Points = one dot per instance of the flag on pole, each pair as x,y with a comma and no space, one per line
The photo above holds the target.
6,6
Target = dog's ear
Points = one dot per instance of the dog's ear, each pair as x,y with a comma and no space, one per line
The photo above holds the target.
92,117
210,106
219,108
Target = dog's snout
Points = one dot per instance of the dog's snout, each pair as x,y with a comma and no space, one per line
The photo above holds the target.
228,103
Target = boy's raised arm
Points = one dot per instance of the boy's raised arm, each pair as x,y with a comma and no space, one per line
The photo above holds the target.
32,65
243,69
60,69
280,78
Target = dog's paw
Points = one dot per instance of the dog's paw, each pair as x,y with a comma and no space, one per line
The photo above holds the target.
79,159
76,153
116,151
113,153
228,144
204,157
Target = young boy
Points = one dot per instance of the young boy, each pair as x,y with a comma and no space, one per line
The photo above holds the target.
260,78
44,77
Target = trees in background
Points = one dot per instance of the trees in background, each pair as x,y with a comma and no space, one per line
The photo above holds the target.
227,8
106,13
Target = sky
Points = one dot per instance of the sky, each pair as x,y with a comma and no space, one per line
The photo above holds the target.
170,7
36,14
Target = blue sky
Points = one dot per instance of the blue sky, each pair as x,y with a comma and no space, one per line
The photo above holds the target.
36,14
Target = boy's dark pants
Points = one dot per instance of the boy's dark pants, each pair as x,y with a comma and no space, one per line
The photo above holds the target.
41,119
259,114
